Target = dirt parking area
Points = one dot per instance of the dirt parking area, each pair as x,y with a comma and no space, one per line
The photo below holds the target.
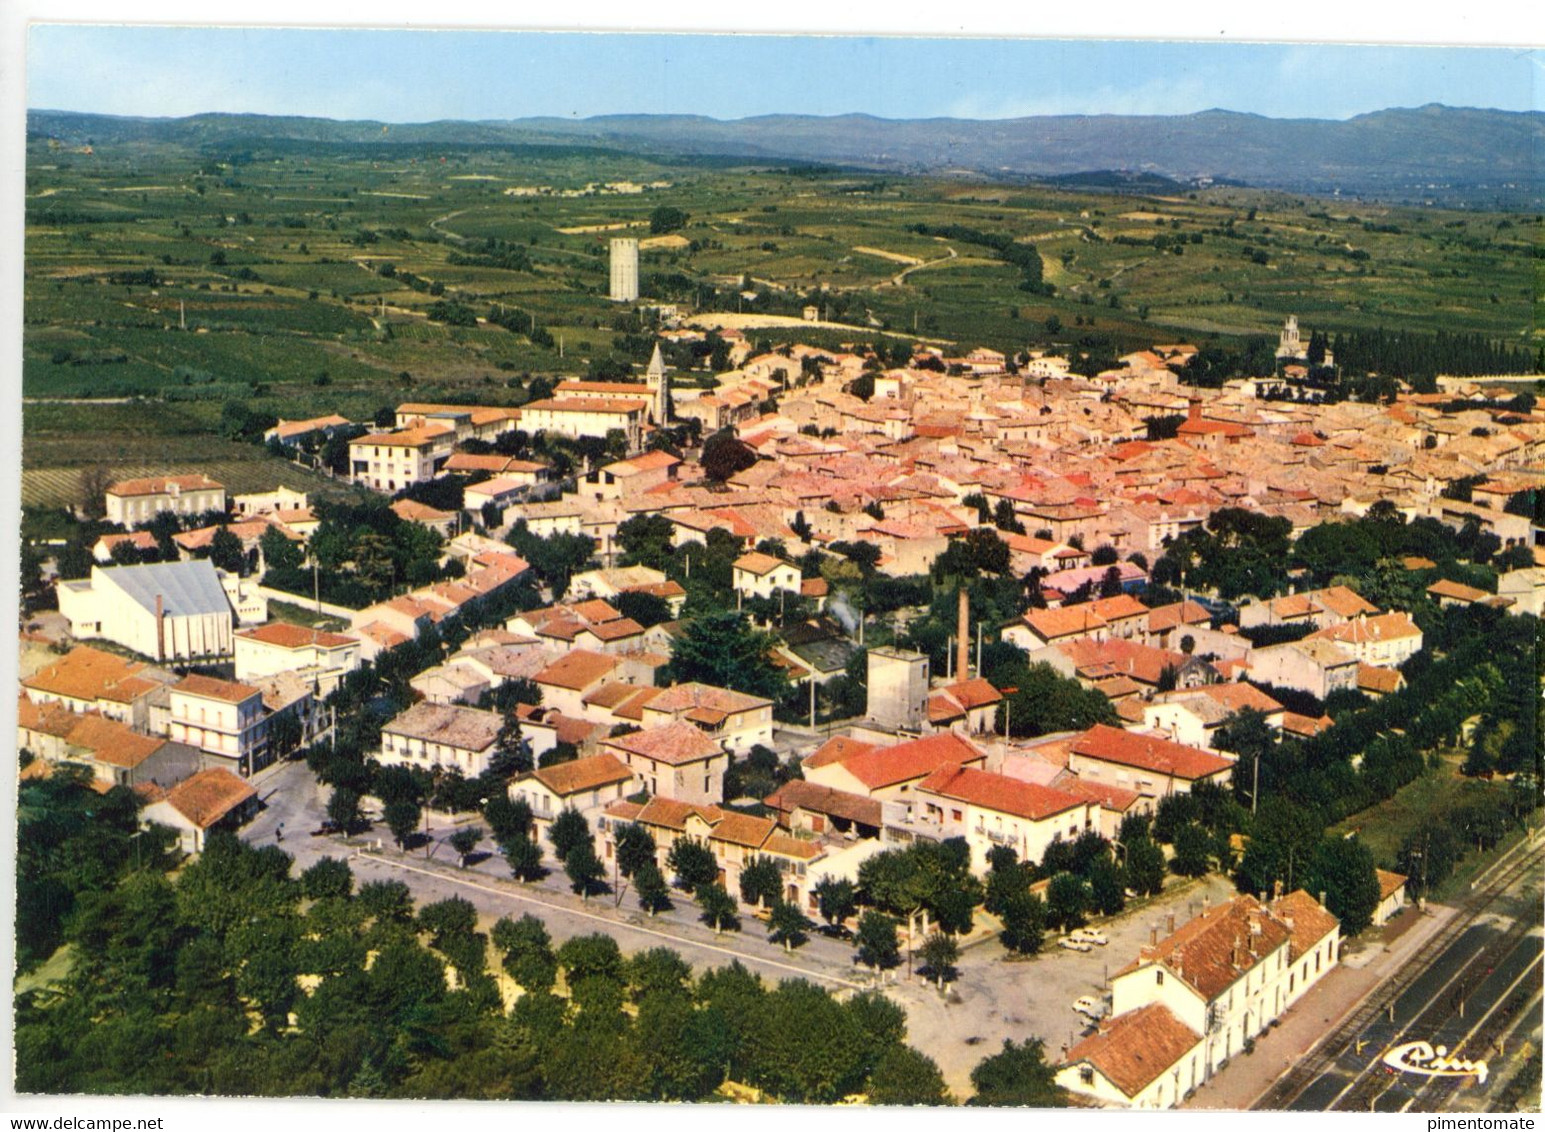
997,997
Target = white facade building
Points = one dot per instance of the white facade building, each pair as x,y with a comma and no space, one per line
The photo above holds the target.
320,657
762,575
443,735
221,717
131,502
390,461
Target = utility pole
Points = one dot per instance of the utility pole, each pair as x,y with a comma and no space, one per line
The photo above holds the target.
812,699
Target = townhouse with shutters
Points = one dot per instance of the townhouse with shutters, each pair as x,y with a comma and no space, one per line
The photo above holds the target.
441,736
1200,996
132,502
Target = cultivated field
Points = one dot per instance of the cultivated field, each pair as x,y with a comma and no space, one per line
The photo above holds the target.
297,278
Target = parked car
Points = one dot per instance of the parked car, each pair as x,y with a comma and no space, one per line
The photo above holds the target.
1075,944
1090,1007
1090,935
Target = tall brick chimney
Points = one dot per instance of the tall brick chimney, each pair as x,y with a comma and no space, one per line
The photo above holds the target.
963,644
1194,409
160,637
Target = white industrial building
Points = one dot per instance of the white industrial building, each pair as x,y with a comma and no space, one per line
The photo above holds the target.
165,610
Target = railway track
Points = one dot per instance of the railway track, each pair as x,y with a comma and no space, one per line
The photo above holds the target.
1434,1096
1313,1065
1375,1079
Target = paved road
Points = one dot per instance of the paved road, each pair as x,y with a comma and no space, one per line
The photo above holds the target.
292,796
1481,983
994,997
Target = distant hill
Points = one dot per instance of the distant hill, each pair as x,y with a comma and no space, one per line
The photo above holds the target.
1438,153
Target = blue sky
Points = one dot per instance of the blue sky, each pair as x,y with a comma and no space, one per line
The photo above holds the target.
415,76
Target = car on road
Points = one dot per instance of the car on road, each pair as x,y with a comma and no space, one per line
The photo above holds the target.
1072,944
1090,1007
1090,935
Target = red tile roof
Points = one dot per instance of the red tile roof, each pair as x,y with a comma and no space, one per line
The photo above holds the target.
160,485
579,775
682,697
1380,681
1065,621
112,742
797,793
1147,752
742,829
1132,1050
1117,607
1214,951
975,693
889,766
837,749
1389,882
210,688
1306,919
1239,695
578,669
758,563
286,636
85,673
999,793
1113,798
209,795
1176,614
1384,627
1456,591
675,744
1296,724
671,814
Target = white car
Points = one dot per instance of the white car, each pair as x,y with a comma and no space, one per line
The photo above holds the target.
1090,1007
1074,944
1090,935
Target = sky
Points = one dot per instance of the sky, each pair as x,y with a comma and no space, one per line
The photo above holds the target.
417,75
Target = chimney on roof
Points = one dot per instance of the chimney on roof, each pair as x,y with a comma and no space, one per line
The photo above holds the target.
1276,889
963,644
1322,898
1153,935
1171,924
1194,409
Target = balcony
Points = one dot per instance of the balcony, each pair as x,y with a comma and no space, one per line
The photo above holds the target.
996,836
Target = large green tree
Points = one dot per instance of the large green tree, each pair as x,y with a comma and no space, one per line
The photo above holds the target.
718,908
693,863
787,925
905,1077
875,941
1018,1075
724,650
1342,868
